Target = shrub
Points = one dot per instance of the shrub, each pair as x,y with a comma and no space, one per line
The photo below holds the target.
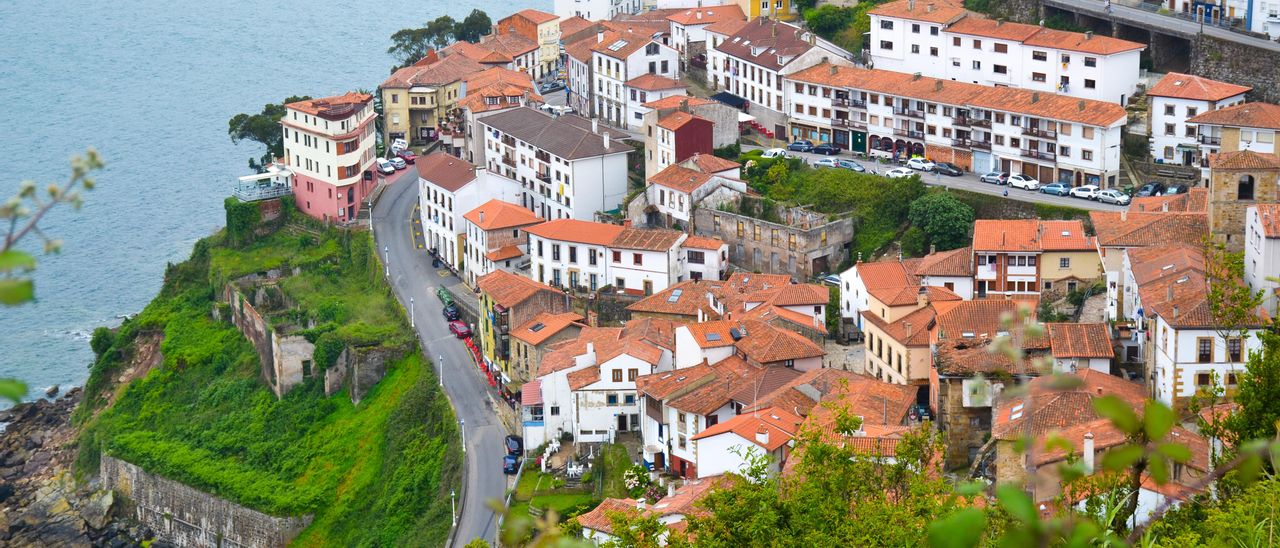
103,338
913,242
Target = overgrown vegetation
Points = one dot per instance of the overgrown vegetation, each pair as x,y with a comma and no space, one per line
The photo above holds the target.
374,474
844,26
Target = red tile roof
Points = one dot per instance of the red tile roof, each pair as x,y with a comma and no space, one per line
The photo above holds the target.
680,178
765,343
538,17
1244,159
710,163
969,357
1259,115
547,325
1269,217
1080,340
678,119
512,45
730,375
531,393
654,82
1138,229
1188,86
766,42
495,214
447,70
646,239
1172,284
1048,406
911,330
571,25
1064,236
726,28
1193,201
674,101
676,383
1005,235
712,334
1081,42
707,15
503,253
573,230
508,290
939,11
561,355
776,426
338,107
983,318
691,299
445,171
620,44
955,262
703,242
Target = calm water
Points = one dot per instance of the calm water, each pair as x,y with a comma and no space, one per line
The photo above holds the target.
151,85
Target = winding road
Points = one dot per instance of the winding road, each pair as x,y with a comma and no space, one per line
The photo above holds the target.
412,277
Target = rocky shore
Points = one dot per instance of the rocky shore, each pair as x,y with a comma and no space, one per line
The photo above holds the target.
40,502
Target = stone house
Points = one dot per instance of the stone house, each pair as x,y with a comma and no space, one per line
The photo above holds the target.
1239,180
529,342
284,355
507,301
800,242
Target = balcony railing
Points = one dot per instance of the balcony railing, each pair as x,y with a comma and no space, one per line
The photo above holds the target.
1041,133
962,143
980,122
962,121
847,122
509,161
1039,155
980,145
1210,140
848,102
908,112
257,192
544,177
908,133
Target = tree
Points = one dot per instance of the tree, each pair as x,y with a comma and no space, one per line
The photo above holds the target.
1232,304
828,19
804,5
262,128
410,45
473,27
944,219
913,242
1258,395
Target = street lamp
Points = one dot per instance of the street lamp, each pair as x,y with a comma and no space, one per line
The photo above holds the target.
386,259
440,364
453,506
411,322
462,428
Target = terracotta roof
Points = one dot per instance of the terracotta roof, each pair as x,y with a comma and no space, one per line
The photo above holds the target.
1080,340
620,44
707,15
765,380
664,384
731,374
1188,86
678,119
531,393
702,242
580,49
508,290
911,330
1172,284
1048,406
1014,100
1268,216
503,253
939,11
646,239
494,75
495,214
445,171
993,28
573,230
726,28
469,50
544,326
1081,42
654,82
710,163
767,344
538,17
691,298
969,357
338,107
447,70
1064,236
1026,235
776,425
1137,229
887,274
512,45
674,101
1259,115
569,136
768,314
670,510
683,179
561,355
1195,200
600,518
712,334
983,318
955,262
1243,159
792,295
767,43
572,25
878,403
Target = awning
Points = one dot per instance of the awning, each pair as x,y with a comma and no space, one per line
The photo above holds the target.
744,117
729,99
1188,146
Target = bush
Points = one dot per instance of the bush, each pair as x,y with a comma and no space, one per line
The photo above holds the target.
913,242
728,152
103,338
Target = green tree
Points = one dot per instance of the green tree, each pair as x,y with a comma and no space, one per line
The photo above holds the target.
102,339
1258,395
944,219
913,242
803,6
262,128
473,27
1232,305
827,20
411,44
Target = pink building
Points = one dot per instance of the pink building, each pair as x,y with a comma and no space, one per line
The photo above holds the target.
328,144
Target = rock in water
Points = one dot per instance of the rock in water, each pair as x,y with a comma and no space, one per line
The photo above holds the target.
52,390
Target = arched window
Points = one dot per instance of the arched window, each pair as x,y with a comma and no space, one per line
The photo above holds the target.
1244,189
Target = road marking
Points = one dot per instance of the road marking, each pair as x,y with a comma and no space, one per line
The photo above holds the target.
444,273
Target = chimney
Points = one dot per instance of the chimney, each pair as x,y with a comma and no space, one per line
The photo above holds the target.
762,436
928,8
922,296
1169,292
1164,207
937,85
775,31
1087,452
1088,34
1175,310
1080,105
999,22
1124,214
915,76
899,256
482,215
859,256
591,347
599,36
699,14
595,125
671,489
1035,97
813,39
933,248
640,504
684,105
833,70
607,140
911,5
907,325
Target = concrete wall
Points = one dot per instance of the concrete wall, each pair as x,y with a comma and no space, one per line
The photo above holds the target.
360,369
186,516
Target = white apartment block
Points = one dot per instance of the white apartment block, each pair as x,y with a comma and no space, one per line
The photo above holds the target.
595,10
644,89
939,38
620,57
1262,253
1241,126
1177,98
567,166
328,146
689,27
584,255
1048,136
449,187
644,261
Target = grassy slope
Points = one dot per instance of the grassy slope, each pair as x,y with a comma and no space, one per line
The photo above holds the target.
374,474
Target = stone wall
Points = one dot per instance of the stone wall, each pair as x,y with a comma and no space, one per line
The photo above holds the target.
964,427
359,368
246,318
186,516
1227,211
820,246
1238,64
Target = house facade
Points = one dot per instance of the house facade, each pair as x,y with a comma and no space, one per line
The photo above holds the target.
449,187
496,238
802,244
678,136
571,253
1177,98
542,28
1239,127
620,57
328,147
507,301
1262,253
647,88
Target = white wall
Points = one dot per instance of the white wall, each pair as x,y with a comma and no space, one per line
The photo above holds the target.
1261,259
713,262
1175,350
661,268
544,265
1164,146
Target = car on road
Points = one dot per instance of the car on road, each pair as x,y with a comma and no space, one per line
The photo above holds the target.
948,169
408,156
1180,188
548,87
899,172
459,329
1061,189
801,146
1150,189
1025,182
995,178
450,312
921,164
850,164
1088,192
510,464
827,162
826,149
775,153
830,279
1113,196
384,166
398,162
514,445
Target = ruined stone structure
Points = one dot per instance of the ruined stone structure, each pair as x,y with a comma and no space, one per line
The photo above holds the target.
801,243
285,358
359,368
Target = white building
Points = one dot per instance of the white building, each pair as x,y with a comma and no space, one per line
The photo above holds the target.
448,187
328,148
644,89
645,260
940,39
595,9
1242,126
706,258
621,57
689,27
571,253
895,282
1174,99
674,191
730,445
1262,252
496,239
1077,346
567,166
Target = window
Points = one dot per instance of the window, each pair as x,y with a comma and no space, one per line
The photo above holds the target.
555,410
1086,155
933,52
1039,56
1204,350
1191,112
629,399
933,31
1090,61
1037,77
1001,48
1203,379
977,44
886,25
1234,346
617,375
620,283
885,44
1169,110
915,48
637,258
632,374
1064,152
1231,380
611,399
1064,262
1189,131
955,41
1244,189
1000,69
977,65
1066,59
555,252
1090,84
1169,129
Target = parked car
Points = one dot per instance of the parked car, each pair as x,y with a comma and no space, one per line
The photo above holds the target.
398,162
831,279
827,162
1150,189
510,464
921,164
948,169
1180,188
899,172
850,164
548,87
801,146
450,312
995,178
1088,192
408,156
826,149
1113,196
699,60
459,329
1061,189
1025,182
384,166
775,153
514,445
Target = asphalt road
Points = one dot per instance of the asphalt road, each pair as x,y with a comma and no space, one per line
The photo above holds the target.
412,277
970,182
1169,24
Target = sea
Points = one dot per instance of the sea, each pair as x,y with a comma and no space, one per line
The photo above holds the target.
151,86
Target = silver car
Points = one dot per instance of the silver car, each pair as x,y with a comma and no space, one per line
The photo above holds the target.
1113,196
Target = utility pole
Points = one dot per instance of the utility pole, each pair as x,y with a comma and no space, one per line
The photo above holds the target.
411,321
453,505
462,429
440,365
386,260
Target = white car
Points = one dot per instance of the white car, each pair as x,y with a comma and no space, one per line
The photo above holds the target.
385,166
1088,192
1113,196
920,164
775,153
899,173
1024,182
827,162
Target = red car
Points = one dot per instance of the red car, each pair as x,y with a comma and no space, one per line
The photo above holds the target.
408,156
460,329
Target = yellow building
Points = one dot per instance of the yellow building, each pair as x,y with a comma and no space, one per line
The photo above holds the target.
507,302
776,9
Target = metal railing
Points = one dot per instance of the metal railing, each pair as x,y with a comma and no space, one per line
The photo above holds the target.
908,112
1042,133
848,122
1039,154
1209,140
980,122
254,193
909,133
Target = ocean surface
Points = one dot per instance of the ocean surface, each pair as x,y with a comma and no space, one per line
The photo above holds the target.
151,85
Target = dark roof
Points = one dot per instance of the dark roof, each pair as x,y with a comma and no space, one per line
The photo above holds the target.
730,99
445,171
568,136
768,43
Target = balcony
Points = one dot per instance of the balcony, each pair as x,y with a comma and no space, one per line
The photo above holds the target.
962,143
980,145
980,122
849,123
544,177
908,112
276,182
1041,133
961,121
909,133
848,102
985,272
1210,140
508,161
1039,155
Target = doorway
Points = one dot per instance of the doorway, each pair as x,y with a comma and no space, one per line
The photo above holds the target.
622,423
